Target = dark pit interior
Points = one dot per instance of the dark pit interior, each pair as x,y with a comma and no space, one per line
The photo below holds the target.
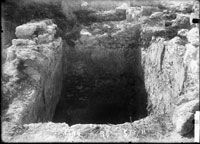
96,89
101,100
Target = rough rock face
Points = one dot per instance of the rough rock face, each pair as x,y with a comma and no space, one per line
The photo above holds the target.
148,10
112,15
60,132
88,16
32,75
184,117
162,50
132,13
172,73
106,50
195,13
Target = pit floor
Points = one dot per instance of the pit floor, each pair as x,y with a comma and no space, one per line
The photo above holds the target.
101,100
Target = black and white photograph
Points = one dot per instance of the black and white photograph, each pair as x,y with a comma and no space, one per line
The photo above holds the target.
107,71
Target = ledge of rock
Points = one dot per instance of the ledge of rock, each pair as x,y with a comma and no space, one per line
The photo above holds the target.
61,132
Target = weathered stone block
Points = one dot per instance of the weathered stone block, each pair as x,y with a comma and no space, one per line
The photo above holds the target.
27,31
184,115
193,36
182,32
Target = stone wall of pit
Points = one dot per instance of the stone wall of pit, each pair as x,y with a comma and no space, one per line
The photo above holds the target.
32,74
171,64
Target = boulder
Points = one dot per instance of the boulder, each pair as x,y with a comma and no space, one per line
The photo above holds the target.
44,38
167,23
111,15
182,21
169,16
193,36
182,32
148,10
106,26
84,4
156,15
193,67
190,53
10,68
10,54
28,30
180,7
85,32
96,30
185,8
193,16
122,8
25,31
132,14
17,42
39,32
184,115
87,39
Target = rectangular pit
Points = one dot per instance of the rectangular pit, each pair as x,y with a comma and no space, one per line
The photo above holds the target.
102,100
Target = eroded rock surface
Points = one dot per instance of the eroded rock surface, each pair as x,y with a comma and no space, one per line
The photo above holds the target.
159,45
32,75
171,66
60,132
184,117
